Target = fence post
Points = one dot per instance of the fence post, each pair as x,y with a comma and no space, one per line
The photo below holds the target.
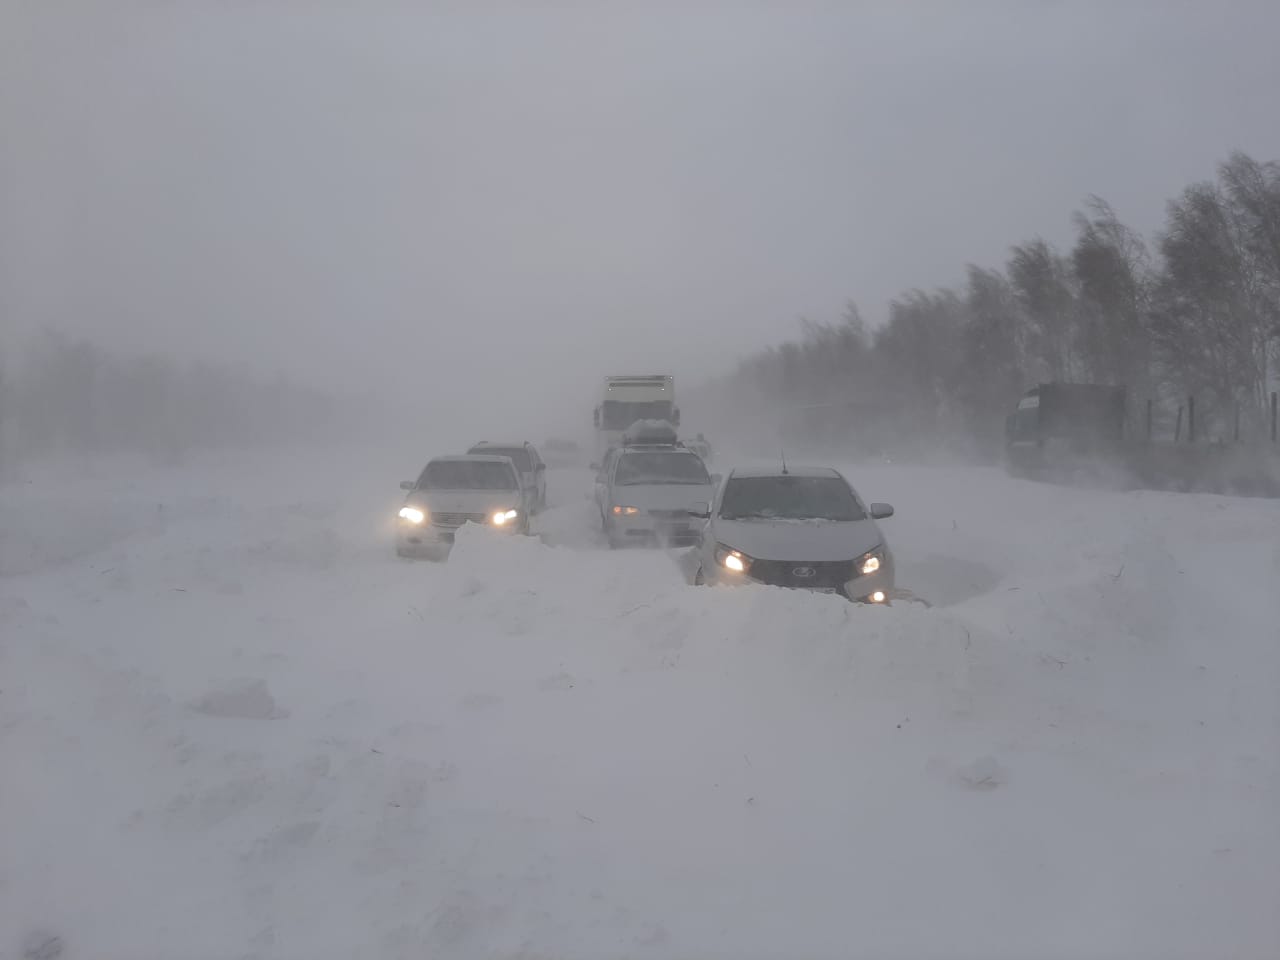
1191,419
1148,420
1177,428
1273,416
1236,431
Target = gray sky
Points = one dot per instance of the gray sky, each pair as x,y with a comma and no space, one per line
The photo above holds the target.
518,199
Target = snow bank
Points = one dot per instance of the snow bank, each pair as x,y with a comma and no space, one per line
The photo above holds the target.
254,732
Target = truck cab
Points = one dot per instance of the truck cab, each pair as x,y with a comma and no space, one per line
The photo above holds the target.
1059,427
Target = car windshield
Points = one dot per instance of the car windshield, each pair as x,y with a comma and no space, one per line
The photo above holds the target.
467,475
659,466
620,414
789,498
519,455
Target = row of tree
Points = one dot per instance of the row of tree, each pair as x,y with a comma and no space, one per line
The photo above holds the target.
69,395
1200,317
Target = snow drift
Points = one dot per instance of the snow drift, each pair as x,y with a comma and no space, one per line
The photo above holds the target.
251,731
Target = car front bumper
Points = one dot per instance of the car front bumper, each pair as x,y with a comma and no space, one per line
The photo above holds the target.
429,538
675,529
780,574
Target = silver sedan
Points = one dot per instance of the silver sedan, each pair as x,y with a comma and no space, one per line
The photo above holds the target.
805,528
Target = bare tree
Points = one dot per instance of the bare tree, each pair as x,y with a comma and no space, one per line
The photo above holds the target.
1213,314
1254,191
73,395
947,362
992,352
1045,289
920,346
1111,265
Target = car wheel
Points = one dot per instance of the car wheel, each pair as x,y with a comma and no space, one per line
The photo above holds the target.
699,578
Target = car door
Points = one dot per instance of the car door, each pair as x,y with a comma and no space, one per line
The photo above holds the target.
539,476
707,535
525,498
602,482
530,480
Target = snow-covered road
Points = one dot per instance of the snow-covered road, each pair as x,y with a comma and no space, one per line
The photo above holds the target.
233,724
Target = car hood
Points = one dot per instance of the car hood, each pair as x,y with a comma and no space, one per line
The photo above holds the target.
464,501
662,496
817,540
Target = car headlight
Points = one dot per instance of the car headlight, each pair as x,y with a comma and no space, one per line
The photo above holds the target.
732,559
504,516
870,562
625,511
413,514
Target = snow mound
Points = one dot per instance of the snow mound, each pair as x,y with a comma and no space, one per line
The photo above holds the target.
548,749
985,773
245,699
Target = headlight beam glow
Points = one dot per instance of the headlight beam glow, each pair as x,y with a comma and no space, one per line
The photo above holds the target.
413,514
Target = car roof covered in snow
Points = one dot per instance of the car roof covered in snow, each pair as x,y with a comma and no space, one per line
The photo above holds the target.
650,433
656,448
790,471
514,444
472,458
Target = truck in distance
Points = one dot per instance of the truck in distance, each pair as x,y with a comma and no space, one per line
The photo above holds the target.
628,398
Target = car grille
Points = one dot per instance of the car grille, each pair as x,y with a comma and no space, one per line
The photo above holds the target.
455,519
681,515
826,574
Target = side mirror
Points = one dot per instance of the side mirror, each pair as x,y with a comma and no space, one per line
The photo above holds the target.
881,511
701,510
407,484
595,466
540,467
716,478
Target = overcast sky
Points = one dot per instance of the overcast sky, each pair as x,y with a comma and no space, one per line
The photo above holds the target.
518,199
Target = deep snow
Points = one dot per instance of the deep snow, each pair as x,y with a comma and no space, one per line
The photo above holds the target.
235,725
